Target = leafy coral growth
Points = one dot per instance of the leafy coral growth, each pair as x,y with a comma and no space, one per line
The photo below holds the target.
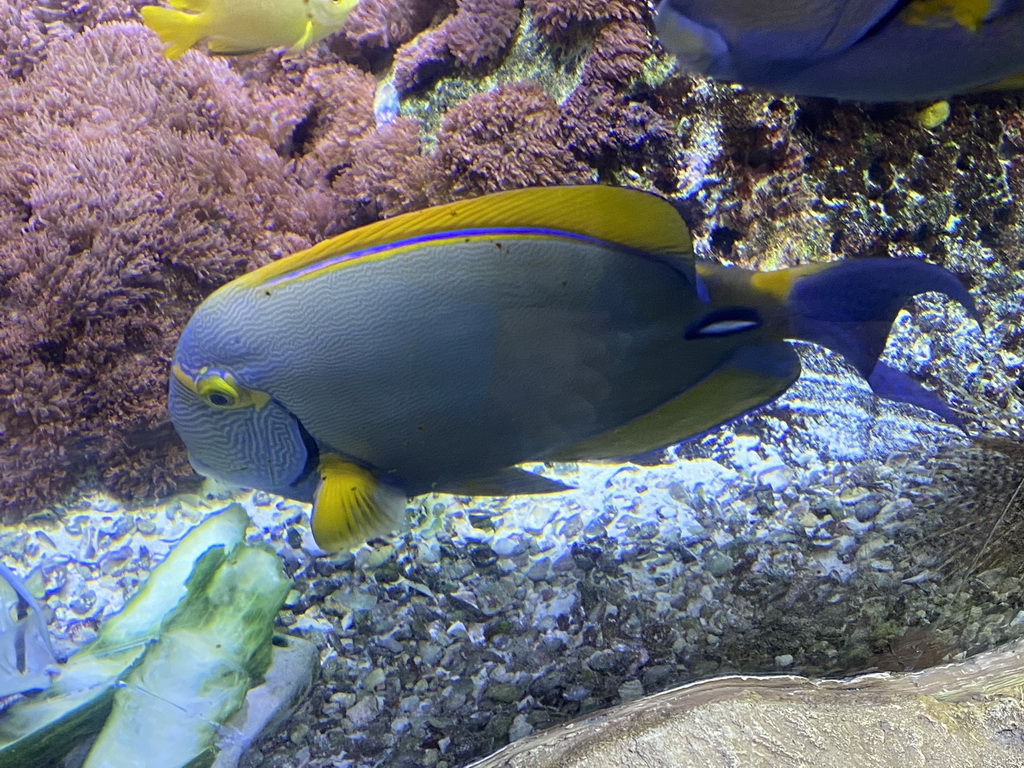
390,173
134,188
478,32
386,24
561,20
608,119
509,138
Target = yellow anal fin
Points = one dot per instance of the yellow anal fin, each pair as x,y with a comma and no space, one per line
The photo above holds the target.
627,217
752,377
1013,82
351,506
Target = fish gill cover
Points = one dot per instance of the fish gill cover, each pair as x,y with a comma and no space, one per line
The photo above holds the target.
131,187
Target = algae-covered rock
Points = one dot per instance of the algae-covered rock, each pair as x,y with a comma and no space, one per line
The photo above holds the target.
182,654
209,654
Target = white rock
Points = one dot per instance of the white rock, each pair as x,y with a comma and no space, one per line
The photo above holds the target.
520,728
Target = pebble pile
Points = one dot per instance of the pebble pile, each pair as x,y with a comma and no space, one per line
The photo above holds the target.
812,537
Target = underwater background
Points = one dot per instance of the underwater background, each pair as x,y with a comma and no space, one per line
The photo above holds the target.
829,533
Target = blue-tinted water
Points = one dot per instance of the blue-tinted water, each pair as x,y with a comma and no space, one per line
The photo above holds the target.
831,532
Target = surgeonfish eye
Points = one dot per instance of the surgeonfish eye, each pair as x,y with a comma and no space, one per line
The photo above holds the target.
218,390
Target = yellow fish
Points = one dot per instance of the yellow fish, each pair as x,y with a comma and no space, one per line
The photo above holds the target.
245,26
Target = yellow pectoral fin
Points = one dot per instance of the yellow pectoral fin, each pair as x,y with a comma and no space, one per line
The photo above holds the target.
753,377
351,506
307,37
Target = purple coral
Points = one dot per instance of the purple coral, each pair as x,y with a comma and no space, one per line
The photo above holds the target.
116,220
389,174
338,101
386,24
560,19
509,138
607,116
27,27
478,32
22,39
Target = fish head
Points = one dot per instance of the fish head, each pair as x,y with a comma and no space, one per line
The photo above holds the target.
698,47
235,431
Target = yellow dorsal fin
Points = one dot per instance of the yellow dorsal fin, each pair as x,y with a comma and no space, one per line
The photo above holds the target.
351,506
628,217
753,377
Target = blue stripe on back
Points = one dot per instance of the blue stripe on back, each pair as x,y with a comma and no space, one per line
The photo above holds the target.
437,237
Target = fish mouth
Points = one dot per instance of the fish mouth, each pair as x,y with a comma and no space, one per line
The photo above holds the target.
200,468
224,475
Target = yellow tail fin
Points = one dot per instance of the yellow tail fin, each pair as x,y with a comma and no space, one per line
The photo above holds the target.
179,30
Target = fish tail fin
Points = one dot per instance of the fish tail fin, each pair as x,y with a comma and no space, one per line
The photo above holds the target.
176,28
350,506
849,307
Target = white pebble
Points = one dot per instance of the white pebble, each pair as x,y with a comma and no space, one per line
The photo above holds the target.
458,629
506,546
520,728
537,518
429,551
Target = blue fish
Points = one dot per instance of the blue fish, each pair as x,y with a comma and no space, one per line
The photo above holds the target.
869,50
438,349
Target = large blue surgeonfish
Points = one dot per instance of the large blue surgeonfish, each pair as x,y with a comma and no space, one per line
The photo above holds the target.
871,50
438,349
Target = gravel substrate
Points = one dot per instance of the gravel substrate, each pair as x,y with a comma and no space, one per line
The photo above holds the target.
829,534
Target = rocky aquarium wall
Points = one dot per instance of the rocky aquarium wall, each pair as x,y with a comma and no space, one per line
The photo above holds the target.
828,533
